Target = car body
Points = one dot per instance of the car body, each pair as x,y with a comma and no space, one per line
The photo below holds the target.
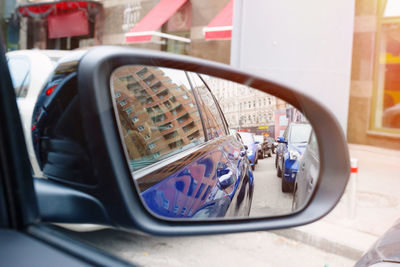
307,175
252,148
271,144
29,71
385,250
217,174
291,146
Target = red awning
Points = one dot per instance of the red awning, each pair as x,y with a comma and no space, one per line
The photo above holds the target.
42,10
221,26
148,26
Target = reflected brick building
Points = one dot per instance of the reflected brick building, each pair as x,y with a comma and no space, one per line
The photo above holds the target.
157,116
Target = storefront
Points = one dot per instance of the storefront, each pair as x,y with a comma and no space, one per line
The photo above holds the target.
42,24
374,109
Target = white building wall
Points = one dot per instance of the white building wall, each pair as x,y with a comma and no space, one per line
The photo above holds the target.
304,44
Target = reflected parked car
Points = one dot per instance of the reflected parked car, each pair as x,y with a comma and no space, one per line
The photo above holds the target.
29,71
251,146
185,162
308,174
264,149
291,146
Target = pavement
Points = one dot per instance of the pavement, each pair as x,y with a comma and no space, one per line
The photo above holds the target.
370,205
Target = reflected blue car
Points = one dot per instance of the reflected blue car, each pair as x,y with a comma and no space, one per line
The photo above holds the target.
289,152
252,148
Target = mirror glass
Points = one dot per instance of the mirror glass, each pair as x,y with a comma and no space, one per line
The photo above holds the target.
201,147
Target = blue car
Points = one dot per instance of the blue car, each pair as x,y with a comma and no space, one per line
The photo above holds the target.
183,159
251,147
289,151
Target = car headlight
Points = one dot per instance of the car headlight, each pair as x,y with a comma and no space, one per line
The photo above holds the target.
294,155
249,152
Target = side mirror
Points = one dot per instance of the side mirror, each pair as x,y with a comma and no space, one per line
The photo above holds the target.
281,139
124,137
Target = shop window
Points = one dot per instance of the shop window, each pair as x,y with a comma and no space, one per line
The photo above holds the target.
386,101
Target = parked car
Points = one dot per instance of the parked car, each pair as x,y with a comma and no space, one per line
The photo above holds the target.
264,149
159,137
291,146
271,144
385,250
252,148
29,71
307,175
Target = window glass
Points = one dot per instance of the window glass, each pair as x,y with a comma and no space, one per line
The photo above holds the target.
212,118
313,145
156,129
300,133
20,74
387,104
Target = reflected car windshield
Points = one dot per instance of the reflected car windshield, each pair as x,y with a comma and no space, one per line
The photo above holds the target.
259,138
300,133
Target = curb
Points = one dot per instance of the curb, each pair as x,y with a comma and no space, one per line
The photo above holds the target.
321,243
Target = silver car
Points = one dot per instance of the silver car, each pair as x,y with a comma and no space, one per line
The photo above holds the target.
308,174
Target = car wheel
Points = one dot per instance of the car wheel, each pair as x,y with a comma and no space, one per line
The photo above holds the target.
294,202
253,167
285,186
269,153
278,171
276,161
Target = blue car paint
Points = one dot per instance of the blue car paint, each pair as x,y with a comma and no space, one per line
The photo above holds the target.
194,188
291,166
252,157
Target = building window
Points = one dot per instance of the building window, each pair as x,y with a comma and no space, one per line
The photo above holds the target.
117,94
151,146
123,102
140,128
129,110
134,119
386,103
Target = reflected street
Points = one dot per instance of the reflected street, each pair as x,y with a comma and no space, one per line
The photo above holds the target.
268,197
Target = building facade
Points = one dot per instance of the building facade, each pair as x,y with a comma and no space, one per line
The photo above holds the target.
374,108
109,22
244,107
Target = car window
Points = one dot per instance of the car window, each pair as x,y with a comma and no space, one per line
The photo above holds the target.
213,121
259,138
247,138
20,74
299,133
313,145
157,113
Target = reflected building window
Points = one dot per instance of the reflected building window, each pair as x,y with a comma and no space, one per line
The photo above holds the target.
162,116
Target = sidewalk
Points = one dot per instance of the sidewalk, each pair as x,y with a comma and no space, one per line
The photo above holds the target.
358,220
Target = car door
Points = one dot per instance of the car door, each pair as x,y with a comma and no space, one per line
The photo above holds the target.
308,173
24,240
232,161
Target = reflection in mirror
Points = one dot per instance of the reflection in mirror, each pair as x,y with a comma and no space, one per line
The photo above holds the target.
201,147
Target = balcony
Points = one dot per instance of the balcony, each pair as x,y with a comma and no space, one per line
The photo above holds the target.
183,118
164,93
141,73
194,135
156,86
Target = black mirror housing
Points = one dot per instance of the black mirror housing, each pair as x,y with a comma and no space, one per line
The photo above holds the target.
111,182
